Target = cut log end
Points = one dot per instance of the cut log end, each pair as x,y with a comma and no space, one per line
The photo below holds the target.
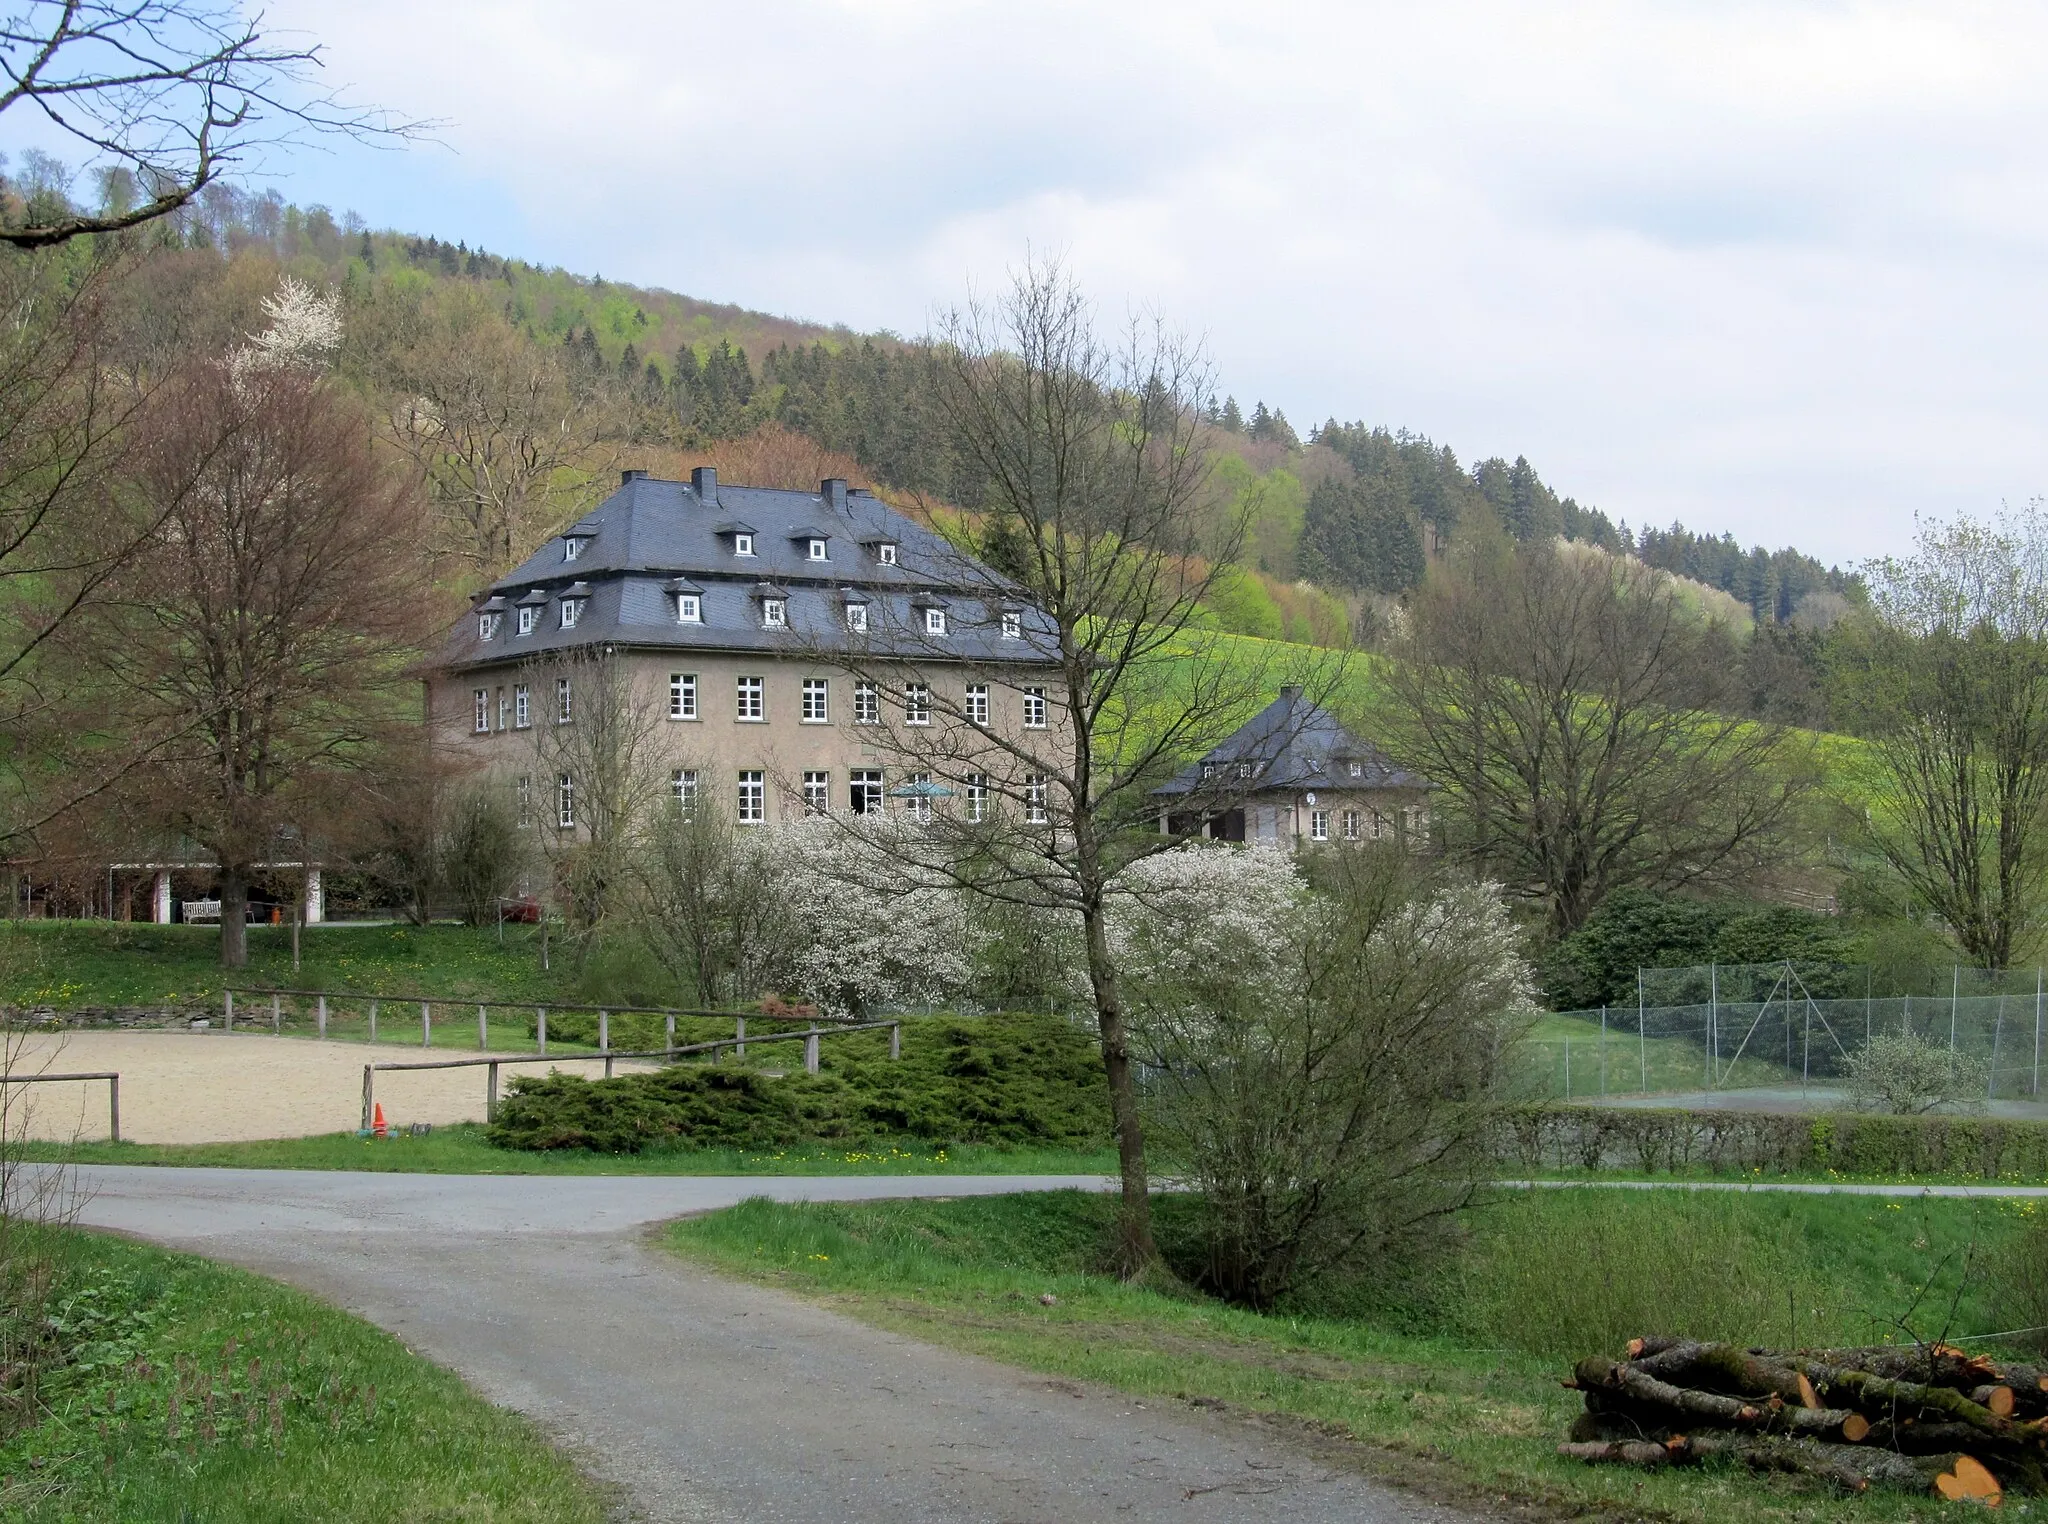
1970,1479
1855,1428
1807,1397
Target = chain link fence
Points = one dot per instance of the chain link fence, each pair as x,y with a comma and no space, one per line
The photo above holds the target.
1779,1027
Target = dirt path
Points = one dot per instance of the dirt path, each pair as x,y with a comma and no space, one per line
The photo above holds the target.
708,1400
216,1087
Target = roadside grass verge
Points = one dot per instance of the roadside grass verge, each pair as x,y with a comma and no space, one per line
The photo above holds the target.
460,1149
199,1392
1448,1381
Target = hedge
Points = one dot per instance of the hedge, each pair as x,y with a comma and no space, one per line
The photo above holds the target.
1658,1140
1014,1080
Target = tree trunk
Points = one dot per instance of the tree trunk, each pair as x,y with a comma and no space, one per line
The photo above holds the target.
234,917
1135,1248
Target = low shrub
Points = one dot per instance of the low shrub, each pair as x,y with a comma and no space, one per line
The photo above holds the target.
1658,1140
1009,1080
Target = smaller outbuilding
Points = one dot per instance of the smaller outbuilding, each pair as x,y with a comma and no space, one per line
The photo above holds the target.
1293,773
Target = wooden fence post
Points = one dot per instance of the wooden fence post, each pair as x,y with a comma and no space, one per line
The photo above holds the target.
811,1051
739,1046
114,1106
276,1016
320,1019
426,1025
671,1029
491,1096
895,1039
229,997
483,1029
373,1021
604,1033
540,1026
369,1094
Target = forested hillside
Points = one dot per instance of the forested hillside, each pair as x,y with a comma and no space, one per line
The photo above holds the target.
519,390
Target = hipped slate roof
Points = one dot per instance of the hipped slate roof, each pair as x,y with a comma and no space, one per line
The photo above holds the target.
652,535
1293,744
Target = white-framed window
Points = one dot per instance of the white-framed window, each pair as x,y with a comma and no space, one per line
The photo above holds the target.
753,796
886,553
565,802
483,710
1318,825
1244,769
562,710
977,703
1418,821
689,608
1034,800
917,704
522,706
1034,709
529,618
817,793
683,788
487,626
1351,825
919,805
747,700
572,610
867,703
857,618
864,791
1208,771
774,613
1358,769
522,800
572,547
817,550
935,621
1379,826
504,710
817,701
682,695
743,545
1013,626
976,791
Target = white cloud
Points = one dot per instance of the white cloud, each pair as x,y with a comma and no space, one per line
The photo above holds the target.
1765,267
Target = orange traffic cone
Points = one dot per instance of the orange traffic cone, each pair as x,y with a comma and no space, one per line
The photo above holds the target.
377,1127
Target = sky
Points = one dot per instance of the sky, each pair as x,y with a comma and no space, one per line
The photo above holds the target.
1765,268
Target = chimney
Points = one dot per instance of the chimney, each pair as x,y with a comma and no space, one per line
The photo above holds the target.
833,490
1290,692
704,482
631,476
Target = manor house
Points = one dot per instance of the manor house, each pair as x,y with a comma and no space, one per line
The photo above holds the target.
795,652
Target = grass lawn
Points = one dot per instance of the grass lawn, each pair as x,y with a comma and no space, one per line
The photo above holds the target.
199,1392
1450,1382
460,1149
75,963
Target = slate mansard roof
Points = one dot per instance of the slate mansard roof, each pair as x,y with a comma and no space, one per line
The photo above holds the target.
1293,744
653,539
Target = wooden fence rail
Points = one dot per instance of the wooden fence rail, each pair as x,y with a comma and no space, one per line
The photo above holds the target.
111,1076
810,1042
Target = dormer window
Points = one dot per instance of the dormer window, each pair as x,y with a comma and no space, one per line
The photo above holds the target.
935,621
487,626
1358,769
743,545
857,618
689,608
572,610
1013,626
572,547
885,552
817,550
774,613
529,618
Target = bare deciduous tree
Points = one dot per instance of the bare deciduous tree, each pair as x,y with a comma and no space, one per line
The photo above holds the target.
593,746
708,906
174,92
506,439
1565,703
263,634
1095,523
1950,679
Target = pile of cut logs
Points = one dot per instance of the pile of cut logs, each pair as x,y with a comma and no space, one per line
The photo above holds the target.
1923,1418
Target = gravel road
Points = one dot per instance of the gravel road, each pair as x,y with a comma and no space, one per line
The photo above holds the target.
710,1400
